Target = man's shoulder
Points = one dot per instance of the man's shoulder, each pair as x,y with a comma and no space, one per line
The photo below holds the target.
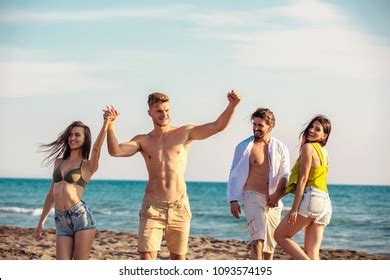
184,127
244,143
278,143
181,130
141,137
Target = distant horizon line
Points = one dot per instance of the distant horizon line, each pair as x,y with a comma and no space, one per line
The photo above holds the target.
189,181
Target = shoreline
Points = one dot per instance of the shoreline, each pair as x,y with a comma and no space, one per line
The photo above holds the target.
17,244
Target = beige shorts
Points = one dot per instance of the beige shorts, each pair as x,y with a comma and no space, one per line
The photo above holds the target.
262,220
159,218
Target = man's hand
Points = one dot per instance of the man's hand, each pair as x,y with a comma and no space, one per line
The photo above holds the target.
235,209
233,97
272,200
111,113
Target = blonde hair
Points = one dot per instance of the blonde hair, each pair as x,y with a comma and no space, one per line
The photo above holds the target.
156,98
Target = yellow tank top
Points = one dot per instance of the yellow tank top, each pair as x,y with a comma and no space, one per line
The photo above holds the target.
317,175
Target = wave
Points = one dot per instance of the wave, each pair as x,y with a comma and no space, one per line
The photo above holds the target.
111,212
38,211
19,210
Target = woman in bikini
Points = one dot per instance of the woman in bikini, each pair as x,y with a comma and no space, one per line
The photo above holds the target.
311,208
75,224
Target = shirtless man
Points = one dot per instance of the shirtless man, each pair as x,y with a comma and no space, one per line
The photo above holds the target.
258,177
165,208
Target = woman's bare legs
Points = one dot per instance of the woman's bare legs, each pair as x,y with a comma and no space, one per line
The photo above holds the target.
64,248
313,238
284,232
82,243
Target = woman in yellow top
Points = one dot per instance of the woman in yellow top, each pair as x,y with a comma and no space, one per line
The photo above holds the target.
312,208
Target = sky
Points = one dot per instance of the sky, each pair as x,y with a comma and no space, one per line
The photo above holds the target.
62,61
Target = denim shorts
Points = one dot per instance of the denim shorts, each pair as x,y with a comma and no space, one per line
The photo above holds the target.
316,204
77,218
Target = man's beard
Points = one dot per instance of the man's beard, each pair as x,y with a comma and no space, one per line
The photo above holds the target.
258,134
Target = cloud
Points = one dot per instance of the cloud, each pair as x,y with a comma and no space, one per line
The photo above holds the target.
310,12
31,72
329,51
307,10
25,16
306,36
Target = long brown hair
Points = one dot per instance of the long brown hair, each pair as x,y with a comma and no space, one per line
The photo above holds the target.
325,122
60,146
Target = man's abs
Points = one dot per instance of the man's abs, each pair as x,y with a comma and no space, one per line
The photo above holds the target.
257,183
167,189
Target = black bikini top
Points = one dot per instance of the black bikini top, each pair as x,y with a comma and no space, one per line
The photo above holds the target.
73,176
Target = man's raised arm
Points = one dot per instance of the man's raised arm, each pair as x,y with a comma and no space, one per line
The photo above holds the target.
204,131
115,149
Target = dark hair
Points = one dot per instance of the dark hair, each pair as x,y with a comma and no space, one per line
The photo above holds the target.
156,98
265,114
325,122
60,146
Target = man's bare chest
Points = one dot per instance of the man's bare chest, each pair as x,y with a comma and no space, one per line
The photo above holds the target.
160,149
258,156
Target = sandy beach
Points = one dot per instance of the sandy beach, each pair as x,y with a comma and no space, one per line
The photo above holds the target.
17,244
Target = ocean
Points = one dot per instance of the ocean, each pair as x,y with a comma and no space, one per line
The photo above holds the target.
360,221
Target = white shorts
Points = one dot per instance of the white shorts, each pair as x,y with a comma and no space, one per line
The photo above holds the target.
262,220
316,204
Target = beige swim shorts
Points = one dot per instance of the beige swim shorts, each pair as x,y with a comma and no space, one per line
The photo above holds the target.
262,220
159,218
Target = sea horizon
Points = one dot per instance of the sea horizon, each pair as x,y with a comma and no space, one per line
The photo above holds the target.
192,181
